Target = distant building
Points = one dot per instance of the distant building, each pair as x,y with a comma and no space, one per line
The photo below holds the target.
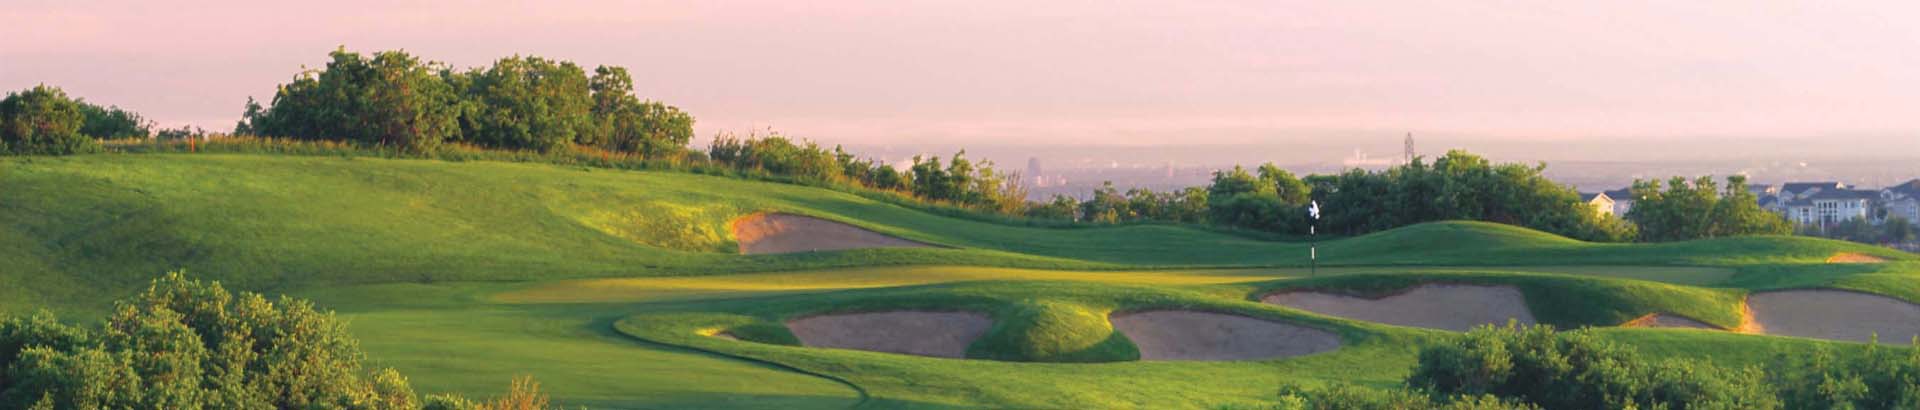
1903,201
1033,172
1804,190
1601,203
1622,201
1830,206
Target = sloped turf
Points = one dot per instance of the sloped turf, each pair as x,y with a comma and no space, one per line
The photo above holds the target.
599,282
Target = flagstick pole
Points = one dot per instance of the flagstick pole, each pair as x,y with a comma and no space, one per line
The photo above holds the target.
1313,251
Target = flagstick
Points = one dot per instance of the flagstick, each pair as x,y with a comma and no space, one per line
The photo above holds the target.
1313,239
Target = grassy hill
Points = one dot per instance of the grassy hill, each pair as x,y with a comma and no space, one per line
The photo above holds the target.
78,225
464,274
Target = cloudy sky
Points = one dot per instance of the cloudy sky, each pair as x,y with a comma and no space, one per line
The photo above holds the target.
1058,72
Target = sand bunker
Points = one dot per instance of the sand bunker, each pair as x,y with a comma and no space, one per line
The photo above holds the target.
937,334
1835,315
1850,257
1449,307
765,233
1190,335
1668,321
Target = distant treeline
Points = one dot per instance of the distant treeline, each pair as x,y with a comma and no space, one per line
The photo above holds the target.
1456,186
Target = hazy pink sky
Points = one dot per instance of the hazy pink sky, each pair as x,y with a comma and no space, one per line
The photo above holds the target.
1057,71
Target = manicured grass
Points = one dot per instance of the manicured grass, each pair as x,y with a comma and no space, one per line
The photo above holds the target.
601,283
279,223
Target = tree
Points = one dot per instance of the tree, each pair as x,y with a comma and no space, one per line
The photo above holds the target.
1268,202
1683,209
528,103
391,99
186,344
42,121
624,123
113,123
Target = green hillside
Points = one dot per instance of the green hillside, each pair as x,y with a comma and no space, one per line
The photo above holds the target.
601,283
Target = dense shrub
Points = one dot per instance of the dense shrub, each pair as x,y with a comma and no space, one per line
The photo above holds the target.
111,122
1880,378
526,103
624,123
390,99
43,121
1346,397
1579,370
184,344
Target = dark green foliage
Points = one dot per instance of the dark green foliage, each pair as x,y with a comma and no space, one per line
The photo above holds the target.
113,123
1880,378
188,345
527,103
961,182
1581,370
1273,201
1459,186
43,121
182,133
391,99
1892,230
624,123
1349,397
1696,209
777,155
1108,205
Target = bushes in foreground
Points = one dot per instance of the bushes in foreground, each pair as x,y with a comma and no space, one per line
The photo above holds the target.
1580,370
1536,367
184,344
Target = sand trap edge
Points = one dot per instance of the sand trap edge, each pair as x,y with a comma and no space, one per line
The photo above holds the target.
1524,317
1911,330
833,235
947,336
1664,320
1156,338
1854,257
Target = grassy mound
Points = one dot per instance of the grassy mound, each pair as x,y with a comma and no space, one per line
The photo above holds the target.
1046,331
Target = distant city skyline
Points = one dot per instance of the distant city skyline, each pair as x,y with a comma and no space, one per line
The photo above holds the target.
1061,73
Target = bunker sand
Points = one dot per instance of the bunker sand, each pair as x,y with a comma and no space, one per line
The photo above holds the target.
935,334
1433,306
774,233
1195,335
1850,257
1668,320
1836,315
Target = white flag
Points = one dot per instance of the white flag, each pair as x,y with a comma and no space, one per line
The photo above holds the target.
1313,209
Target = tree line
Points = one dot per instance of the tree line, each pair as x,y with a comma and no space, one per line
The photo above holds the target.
1455,186
392,98
958,181
43,120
